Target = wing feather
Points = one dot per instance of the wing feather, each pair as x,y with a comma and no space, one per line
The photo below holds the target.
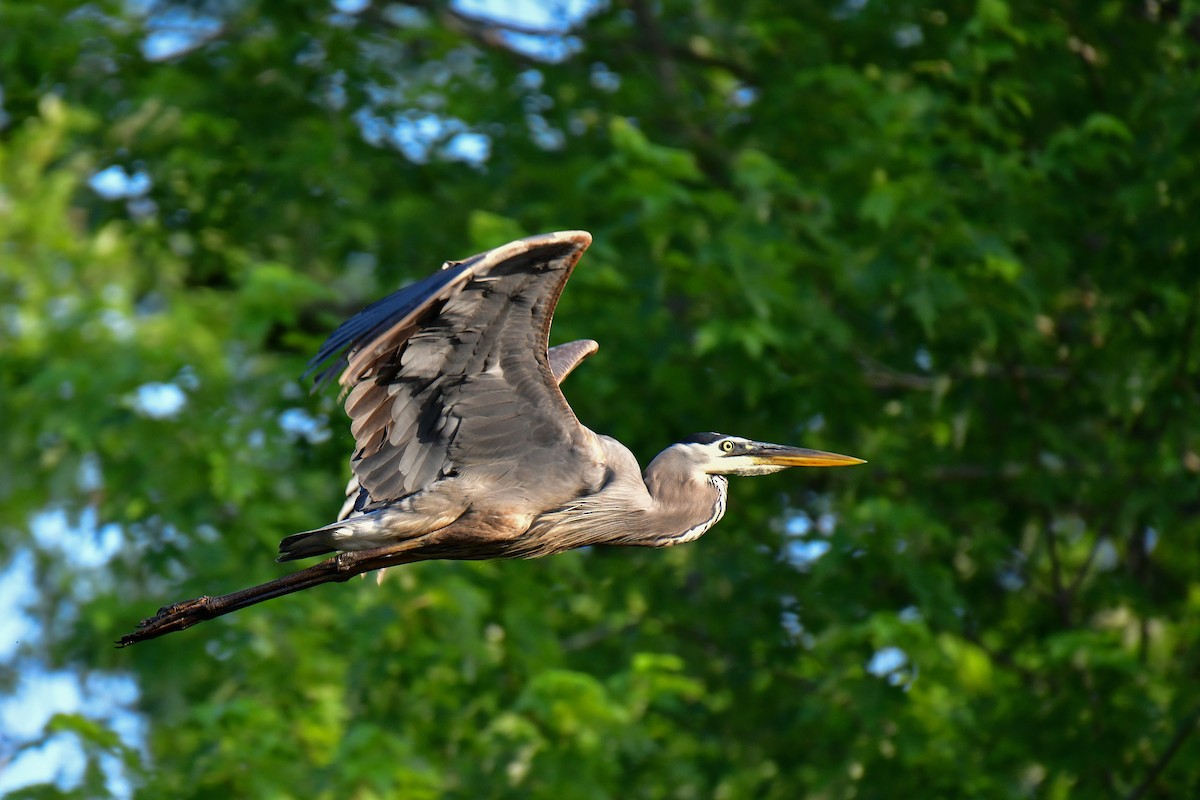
564,358
451,375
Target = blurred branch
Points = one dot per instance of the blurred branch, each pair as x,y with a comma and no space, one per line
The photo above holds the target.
881,376
710,155
1060,597
1082,574
495,26
490,33
1189,337
196,41
652,37
1003,658
1010,470
740,71
594,635
1185,729
1099,729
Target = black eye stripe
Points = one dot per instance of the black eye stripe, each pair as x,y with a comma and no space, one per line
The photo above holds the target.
702,438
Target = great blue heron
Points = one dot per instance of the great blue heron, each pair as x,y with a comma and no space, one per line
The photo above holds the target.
465,447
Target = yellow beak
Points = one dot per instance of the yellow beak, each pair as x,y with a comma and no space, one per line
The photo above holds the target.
779,455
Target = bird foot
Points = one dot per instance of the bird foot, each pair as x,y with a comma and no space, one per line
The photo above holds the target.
175,617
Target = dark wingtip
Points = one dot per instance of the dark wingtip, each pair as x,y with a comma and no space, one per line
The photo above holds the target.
373,320
380,316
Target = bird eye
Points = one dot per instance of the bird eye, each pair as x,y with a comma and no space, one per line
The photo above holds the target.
727,446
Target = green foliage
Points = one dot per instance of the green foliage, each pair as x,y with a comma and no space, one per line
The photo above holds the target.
958,241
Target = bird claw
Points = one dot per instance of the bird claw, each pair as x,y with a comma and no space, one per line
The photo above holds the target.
175,617
378,575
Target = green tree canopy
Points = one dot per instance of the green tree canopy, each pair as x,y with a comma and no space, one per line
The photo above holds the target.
958,240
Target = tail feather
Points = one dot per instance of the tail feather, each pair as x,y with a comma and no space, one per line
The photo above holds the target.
380,528
308,543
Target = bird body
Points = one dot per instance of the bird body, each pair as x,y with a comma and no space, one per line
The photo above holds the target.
620,507
467,449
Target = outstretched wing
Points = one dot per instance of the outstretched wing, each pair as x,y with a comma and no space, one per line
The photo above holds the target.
564,358
451,376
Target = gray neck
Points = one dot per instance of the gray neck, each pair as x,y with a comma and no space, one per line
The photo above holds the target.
684,504
673,502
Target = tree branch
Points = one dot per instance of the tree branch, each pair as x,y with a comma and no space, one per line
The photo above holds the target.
1062,601
734,68
340,568
1081,575
881,376
1185,729
484,31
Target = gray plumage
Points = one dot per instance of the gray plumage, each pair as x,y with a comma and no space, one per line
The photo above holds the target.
466,448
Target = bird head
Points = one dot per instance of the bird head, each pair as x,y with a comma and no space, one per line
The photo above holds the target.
719,454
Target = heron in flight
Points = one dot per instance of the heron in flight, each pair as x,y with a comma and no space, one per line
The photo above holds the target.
465,447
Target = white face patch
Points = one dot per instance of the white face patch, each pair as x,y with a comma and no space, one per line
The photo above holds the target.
727,456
